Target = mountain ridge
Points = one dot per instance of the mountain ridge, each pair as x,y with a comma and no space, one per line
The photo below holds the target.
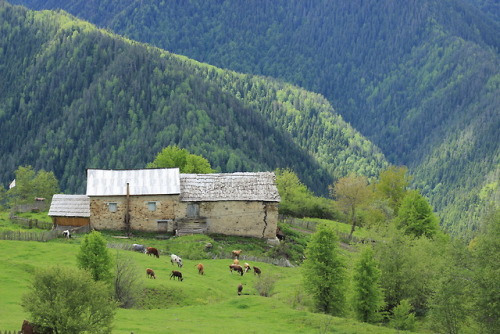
79,97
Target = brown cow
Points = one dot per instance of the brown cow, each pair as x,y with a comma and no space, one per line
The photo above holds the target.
201,269
236,261
236,253
247,267
150,273
256,271
240,288
177,274
152,251
27,328
236,267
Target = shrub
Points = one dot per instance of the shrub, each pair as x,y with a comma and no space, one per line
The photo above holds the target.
67,300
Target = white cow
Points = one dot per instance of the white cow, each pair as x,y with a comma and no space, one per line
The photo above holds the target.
67,234
176,259
139,248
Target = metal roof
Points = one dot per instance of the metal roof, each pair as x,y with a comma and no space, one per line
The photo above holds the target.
154,181
259,186
70,206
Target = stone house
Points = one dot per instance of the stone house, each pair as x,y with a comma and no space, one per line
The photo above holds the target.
165,201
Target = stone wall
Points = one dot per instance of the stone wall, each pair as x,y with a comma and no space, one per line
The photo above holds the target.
141,217
241,218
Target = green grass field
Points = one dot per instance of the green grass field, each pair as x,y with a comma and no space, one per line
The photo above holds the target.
199,304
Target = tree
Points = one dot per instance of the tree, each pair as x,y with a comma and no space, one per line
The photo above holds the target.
31,184
126,281
403,318
67,300
409,268
324,271
3,197
450,305
392,184
416,217
486,275
94,257
368,296
297,200
173,156
351,193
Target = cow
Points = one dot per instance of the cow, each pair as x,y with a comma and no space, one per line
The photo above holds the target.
240,288
27,328
247,267
67,234
177,274
280,235
236,267
236,253
138,248
256,271
152,251
201,269
236,261
176,259
150,273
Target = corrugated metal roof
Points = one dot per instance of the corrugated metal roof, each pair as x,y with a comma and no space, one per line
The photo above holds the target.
70,206
229,187
154,181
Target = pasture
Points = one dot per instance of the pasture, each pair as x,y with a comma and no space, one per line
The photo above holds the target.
199,304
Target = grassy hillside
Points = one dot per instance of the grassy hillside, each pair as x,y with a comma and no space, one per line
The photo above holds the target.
199,304
79,97
418,78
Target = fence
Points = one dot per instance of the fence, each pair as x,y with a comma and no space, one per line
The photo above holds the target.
32,207
28,236
30,223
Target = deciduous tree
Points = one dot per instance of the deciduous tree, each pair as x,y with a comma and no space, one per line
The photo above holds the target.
392,184
31,184
173,156
351,193
94,257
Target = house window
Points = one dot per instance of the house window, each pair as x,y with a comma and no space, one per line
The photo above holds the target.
112,207
152,206
193,210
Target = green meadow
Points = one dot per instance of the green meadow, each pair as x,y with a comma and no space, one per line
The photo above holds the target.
198,304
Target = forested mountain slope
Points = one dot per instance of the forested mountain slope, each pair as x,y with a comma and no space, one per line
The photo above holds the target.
418,78
74,97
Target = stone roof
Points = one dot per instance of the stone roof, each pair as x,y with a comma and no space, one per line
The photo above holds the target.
259,186
153,181
70,206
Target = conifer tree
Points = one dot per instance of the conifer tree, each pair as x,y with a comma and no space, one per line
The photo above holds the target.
486,254
325,271
368,296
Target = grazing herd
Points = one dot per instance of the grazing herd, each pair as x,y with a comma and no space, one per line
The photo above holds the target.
175,259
